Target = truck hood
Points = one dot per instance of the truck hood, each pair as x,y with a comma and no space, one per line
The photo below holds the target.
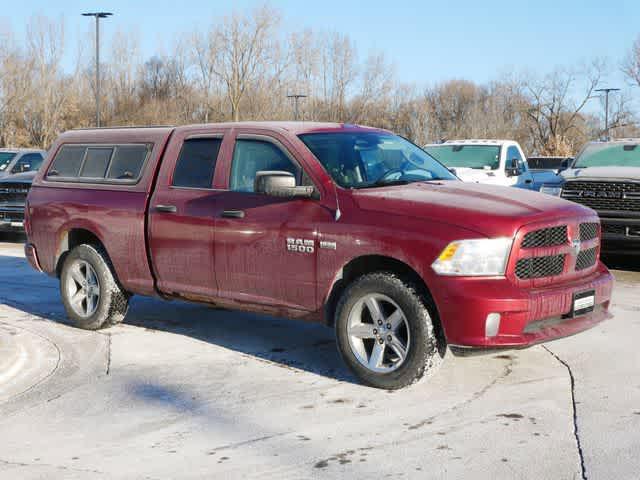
620,173
25,177
492,211
476,175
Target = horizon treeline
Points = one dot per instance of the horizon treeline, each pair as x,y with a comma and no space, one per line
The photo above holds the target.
244,65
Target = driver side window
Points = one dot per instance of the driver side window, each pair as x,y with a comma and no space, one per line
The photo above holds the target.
513,152
28,163
253,156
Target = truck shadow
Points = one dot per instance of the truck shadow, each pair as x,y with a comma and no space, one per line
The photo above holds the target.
622,262
286,343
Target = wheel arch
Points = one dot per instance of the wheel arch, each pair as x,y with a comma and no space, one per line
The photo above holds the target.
71,238
365,264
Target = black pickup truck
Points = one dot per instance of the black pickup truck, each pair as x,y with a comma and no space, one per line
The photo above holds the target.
13,195
606,177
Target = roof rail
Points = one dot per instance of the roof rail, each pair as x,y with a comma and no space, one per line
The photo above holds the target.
123,127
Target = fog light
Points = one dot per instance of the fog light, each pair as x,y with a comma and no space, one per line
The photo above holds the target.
492,325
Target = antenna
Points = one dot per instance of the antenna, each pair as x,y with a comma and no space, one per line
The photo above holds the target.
338,213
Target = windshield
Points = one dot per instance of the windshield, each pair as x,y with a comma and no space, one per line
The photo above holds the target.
5,160
368,159
467,156
609,155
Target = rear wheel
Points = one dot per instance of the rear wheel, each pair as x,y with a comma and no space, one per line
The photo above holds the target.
92,297
385,331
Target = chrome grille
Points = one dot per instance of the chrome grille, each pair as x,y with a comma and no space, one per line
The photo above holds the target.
586,258
546,237
539,267
588,231
13,192
614,228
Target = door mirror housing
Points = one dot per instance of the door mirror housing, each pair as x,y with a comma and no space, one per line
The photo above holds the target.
513,170
565,164
280,184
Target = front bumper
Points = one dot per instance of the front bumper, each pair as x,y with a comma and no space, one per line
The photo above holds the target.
11,219
620,235
527,316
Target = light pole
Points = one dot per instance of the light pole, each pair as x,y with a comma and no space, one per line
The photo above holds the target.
606,107
296,97
98,16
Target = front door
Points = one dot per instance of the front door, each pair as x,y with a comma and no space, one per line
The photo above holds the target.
266,247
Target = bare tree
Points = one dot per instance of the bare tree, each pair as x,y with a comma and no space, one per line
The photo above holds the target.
631,63
556,105
242,50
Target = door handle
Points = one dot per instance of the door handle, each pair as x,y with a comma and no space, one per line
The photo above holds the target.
166,208
528,180
233,214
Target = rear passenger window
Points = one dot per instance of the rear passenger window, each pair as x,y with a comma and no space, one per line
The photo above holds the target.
68,162
99,163
197,163
127,162
96,162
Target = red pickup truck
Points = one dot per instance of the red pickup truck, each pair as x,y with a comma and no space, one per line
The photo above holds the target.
342,224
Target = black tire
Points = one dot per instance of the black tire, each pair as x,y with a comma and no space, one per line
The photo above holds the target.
113,301
419,310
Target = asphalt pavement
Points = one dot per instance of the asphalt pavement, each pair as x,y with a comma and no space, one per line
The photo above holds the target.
186,391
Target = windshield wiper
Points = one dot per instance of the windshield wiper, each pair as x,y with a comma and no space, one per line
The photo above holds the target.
384,183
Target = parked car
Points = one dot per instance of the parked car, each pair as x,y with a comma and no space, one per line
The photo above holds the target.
552,164
19,160
351,226
494,162
606,177
13,195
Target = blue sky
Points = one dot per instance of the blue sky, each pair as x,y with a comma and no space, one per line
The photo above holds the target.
427,41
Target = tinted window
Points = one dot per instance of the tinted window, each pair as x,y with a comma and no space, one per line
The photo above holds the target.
96,162
28,163
466,156
252,156
609,155
67,162
127,162
197,163
513,152
5,160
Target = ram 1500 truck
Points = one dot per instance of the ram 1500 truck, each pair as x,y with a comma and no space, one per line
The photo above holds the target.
342,224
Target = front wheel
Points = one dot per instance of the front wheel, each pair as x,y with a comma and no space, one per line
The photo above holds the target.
92,297
385,331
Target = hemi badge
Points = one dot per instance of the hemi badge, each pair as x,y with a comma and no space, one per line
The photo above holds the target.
328,245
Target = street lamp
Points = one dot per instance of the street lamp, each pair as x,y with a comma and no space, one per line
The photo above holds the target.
606,107
98,16
296,97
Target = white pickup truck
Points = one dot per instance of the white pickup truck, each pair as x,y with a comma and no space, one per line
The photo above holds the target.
496,162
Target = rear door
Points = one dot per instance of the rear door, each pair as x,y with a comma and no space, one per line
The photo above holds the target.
183,212
266,247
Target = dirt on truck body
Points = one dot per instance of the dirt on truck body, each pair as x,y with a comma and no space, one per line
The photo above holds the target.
342,224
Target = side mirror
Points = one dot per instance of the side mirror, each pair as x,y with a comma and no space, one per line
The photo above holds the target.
513,170
23,167
564,165
280,184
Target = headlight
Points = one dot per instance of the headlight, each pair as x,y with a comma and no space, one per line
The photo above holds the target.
482,257
551,190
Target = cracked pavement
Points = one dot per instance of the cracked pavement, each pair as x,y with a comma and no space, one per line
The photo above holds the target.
185,391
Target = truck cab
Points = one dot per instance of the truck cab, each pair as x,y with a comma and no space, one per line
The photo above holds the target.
493,162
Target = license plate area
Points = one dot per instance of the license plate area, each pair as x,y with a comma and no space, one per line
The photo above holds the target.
583,303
